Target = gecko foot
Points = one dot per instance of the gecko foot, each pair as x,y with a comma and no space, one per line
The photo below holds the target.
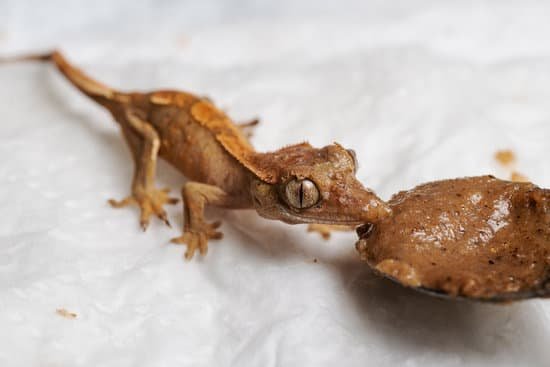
150,203
198,239
326,229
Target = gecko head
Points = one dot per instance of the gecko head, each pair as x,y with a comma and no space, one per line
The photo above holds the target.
311,185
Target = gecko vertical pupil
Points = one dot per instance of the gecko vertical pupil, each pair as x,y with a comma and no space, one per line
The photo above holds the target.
301,194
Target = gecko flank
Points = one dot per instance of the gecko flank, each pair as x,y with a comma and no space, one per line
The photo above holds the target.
295,184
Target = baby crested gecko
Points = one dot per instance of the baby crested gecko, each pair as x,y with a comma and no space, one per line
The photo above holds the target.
295,184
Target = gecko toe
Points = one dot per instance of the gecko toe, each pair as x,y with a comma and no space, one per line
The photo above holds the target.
172,201
192,245
150,202
178,240
146,212
197,240
165,198
203,244
325,230
122,203
163,217
216,235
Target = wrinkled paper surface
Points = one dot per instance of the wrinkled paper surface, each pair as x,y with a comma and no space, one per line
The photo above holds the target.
422,90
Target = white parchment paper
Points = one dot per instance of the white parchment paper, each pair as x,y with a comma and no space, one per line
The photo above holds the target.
420,89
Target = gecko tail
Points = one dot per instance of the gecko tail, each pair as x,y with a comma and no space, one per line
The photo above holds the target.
90,87
31,57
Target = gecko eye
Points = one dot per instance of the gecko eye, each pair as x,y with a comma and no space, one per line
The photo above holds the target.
301,194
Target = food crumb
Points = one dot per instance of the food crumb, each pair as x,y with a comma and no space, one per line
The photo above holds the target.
518,177
66,314
505,157
183,41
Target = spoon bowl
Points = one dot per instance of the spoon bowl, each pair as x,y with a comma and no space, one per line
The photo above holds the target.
477,238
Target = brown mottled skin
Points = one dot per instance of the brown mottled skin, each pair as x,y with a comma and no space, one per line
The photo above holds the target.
295,184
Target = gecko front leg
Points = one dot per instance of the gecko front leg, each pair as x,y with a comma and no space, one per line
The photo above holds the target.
144,143
196,231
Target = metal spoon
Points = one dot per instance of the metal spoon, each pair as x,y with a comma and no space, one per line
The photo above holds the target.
477,238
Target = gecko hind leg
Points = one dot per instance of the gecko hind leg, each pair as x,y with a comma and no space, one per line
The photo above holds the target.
196,231
144,143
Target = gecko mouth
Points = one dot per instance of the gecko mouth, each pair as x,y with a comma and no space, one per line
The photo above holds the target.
286,215
297,218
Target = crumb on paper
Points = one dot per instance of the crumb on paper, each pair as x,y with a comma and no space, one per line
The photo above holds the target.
505,157
183,40
66,314
518,177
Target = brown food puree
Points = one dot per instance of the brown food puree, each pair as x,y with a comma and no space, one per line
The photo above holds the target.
477,237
